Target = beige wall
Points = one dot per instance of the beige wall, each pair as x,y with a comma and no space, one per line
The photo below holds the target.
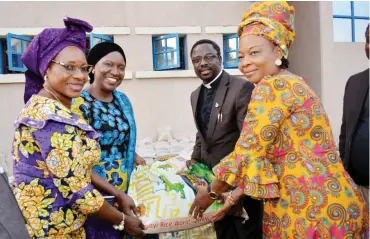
304,55
138,14
11,98
162,102
339,62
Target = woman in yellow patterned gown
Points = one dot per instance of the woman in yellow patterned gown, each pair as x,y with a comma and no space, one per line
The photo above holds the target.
286,153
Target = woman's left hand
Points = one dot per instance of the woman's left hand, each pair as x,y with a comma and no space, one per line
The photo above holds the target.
201,202
139,160
222,212
126,204
229,200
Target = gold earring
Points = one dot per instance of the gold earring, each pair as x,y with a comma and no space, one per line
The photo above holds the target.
278,62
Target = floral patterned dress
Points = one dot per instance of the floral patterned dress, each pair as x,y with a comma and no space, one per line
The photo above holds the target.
114,130
54,151
286,155
115,123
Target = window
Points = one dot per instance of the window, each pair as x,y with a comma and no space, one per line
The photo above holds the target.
169,52
16,46
231,48
97,38
350,19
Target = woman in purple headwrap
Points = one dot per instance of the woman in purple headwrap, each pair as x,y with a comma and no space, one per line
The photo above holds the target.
54,149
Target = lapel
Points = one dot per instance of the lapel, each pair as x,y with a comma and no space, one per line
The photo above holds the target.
362,89
194,102
219,99
194,105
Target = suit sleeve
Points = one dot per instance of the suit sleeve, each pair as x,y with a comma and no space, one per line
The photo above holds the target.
196,155
343,128
242,102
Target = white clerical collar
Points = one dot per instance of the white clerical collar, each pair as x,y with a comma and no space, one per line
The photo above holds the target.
208,86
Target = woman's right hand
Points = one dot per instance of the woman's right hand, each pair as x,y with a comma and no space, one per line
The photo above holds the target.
126,204
133,226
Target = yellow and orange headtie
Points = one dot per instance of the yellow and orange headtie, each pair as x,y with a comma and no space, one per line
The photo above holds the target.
271,20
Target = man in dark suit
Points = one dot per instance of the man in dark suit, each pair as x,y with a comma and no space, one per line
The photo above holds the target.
354,135
219,106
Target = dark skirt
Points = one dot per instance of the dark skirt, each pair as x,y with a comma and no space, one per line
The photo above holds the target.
101,229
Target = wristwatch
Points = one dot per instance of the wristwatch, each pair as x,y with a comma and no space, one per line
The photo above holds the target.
211,194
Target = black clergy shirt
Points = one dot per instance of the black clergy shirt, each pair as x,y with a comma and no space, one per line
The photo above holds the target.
205,103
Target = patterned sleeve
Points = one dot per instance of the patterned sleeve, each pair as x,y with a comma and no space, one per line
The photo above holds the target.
80,107
250,165
68,157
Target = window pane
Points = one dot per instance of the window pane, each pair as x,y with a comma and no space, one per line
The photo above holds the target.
161,61
17,62
97,41
160,45
231,44
25,45
342,8
362,9
231,57
360,28
172,58
171,43
342,30
16,45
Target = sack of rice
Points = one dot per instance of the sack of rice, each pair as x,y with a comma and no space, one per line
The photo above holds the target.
164,197
164,200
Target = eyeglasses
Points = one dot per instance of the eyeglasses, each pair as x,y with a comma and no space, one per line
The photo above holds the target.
208,58
72,69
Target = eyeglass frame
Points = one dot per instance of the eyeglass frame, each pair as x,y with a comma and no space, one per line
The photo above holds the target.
74,71
207,58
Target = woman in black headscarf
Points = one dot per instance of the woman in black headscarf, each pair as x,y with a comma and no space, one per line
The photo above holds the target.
110,113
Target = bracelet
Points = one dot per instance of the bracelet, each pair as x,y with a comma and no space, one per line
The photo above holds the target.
120,226
230,199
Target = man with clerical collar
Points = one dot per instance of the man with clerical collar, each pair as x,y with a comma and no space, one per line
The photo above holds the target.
219,106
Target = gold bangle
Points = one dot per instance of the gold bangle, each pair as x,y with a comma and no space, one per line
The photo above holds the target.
231,200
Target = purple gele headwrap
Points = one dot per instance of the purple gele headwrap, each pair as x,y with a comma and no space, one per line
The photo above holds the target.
45,46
